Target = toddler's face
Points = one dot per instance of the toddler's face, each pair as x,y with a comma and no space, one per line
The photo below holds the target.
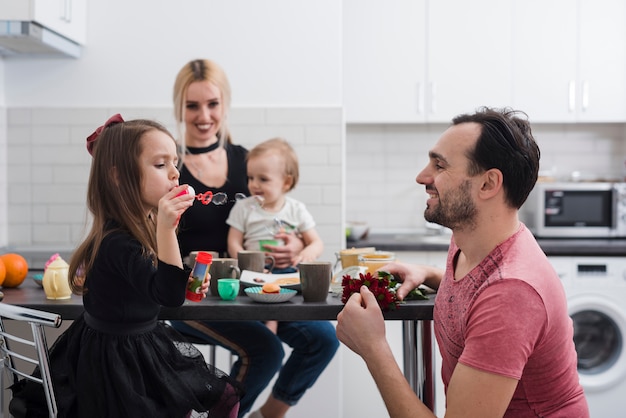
266,177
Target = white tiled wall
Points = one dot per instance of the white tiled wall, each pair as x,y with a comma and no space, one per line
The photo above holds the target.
49,166
382,162
4,221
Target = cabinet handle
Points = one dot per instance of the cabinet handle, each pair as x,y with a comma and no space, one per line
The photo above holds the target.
420,98
585,95
572,96
433,97
66,12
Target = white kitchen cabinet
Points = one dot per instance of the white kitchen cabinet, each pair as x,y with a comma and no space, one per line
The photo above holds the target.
570,60
412,61
469,56
65,17
384,51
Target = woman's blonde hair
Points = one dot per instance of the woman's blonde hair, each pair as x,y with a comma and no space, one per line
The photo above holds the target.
285,150
114,194
201,70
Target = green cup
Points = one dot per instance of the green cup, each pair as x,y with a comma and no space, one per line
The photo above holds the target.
264,242
228,289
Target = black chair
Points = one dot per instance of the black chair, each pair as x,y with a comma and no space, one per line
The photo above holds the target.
18,354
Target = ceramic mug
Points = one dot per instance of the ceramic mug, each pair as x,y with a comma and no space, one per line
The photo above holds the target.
228,289
55,283
315,280
255,261
222,268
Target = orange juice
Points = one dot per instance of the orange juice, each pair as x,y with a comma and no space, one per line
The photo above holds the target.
374,261
350,257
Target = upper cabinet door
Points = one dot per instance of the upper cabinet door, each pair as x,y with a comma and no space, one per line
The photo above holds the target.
66,17
384,50
570,60
469,56
602,62
544,59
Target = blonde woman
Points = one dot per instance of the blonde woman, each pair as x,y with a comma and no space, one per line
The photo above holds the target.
216,169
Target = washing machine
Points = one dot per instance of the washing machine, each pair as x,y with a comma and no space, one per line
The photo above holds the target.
596,297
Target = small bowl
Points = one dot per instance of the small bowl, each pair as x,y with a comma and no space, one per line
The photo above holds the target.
358,230
38,278
258,296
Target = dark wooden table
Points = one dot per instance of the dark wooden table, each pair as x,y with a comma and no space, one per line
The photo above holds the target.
416,316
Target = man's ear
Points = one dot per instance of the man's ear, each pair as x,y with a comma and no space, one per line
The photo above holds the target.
491,183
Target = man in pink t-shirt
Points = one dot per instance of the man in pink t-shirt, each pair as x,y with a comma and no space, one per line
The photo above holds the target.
500,314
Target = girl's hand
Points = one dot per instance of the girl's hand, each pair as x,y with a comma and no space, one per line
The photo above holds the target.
204,289
174,204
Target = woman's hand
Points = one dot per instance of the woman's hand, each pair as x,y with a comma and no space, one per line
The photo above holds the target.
285,254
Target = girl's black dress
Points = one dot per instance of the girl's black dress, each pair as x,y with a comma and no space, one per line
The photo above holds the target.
118,360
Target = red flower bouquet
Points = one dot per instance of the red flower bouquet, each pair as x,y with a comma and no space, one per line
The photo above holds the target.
383,287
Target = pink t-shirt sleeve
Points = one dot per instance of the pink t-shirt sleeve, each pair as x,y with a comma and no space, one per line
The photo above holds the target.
505,327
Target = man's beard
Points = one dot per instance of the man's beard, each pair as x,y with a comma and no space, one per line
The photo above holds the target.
455,210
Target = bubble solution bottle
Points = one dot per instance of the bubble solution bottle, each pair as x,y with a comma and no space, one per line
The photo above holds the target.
199,272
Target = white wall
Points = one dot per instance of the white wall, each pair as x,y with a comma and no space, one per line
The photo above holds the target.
276,52
4,221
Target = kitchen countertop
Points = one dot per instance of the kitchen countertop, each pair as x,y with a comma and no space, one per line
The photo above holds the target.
552,247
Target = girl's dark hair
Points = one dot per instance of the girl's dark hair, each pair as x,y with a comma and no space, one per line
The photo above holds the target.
114,194
507,144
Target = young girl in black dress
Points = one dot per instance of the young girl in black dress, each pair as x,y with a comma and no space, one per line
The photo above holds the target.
117,359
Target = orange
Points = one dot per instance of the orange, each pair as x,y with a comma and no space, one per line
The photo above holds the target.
16,269
3,271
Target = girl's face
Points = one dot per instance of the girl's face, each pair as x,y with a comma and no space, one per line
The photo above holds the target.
266,178
157,161
204,112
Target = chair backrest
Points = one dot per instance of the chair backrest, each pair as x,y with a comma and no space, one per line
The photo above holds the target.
16,351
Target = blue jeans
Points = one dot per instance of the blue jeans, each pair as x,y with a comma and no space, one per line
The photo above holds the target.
260,354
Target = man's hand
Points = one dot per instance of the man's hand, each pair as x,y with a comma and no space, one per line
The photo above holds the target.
360,325
413,276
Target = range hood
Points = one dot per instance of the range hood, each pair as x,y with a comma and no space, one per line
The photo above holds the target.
19,38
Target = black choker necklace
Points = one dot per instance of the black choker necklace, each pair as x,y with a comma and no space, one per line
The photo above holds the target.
202,150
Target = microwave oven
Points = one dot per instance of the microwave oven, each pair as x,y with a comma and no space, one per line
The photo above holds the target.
576,210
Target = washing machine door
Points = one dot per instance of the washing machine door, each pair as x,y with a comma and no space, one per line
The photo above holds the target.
599,332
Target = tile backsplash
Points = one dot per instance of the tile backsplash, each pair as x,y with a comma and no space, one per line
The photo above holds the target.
48,167
382,162
366,173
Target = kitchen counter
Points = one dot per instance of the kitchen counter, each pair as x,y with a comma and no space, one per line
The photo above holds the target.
552,247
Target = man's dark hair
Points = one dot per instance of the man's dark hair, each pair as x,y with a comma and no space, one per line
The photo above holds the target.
506,143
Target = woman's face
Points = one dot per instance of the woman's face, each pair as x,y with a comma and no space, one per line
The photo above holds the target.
158,160
204,110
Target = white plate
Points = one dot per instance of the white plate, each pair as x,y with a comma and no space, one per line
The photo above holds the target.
252,278
256,294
